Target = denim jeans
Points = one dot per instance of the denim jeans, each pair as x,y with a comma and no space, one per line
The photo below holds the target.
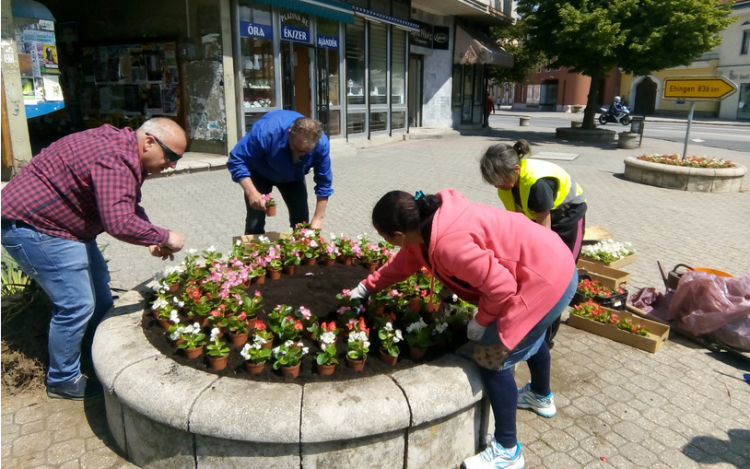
294,194
75,277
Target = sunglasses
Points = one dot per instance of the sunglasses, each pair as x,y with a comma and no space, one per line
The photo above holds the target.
171,155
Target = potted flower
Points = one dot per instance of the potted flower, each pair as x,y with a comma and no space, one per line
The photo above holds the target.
348,307
440,331
255,356
193,340
262,333
274,263
418,336
348,248
592,289
288,356
218,353
290,255
325,333
197,304
329,253
459,313
172,277
250,306
283,323
217,320
358,345
238,329
270,205
175,334
166,312
389,337
371,256
308,320
611,253
326,359
311,244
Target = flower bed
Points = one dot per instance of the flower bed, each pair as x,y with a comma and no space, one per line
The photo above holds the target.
689,162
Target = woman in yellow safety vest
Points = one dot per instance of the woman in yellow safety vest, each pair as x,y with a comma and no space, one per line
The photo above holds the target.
541,190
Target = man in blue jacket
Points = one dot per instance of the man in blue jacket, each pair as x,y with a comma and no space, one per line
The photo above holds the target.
278,151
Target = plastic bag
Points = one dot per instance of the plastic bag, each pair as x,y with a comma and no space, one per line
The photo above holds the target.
704,304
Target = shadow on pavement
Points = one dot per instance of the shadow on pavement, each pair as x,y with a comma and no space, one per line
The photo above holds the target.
96,417
540,137
712,450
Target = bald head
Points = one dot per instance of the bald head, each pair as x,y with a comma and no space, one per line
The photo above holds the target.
153,136
163,129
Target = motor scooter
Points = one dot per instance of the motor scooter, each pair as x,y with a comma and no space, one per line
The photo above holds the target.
607,116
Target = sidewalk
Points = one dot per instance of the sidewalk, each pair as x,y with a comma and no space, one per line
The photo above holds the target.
684,407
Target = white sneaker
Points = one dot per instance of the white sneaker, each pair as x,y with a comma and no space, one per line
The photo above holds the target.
496,457
542,405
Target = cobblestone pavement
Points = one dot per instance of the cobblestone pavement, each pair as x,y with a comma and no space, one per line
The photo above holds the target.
682,407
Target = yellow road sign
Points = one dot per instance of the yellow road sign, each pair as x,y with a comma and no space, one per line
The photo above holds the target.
691,88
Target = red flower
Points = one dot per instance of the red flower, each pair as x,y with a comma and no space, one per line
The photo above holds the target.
298,325
215,313
423,293
260,325
242,316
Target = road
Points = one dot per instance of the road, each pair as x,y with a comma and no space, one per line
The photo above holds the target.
717,136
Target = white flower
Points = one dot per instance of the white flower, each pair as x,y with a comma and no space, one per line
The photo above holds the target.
174,317
160,303
215,333
259,341
304,350
388,326
416,326
366,344
276,351
455,298
192,251
440,328
328,337
211,249
359,237
264,239
238,243
289,343
245,352
398,337
333,235
177,302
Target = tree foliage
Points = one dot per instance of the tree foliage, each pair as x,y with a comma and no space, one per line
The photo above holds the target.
638,36
511,39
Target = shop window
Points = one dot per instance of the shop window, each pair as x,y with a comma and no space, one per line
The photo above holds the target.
478,85
256,62
378,64
467,94
327,30
335,123
456,92
398,67
355,123
355,62
378,121
398,120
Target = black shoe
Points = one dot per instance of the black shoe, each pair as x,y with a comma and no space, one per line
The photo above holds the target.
76,390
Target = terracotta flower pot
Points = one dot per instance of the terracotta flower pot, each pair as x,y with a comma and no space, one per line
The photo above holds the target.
165,323
326,370
202,321
268,344
155,314
238,340
290,269
217,363
347,260
191,353
177,342
387,358
246,284
416,353
355,365
309,260
292,371
328,261
271,211
274,274
373,266
173,288
250,323
255,368
260,279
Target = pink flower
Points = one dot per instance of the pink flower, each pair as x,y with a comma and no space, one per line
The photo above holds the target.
343,309
305,312
346,293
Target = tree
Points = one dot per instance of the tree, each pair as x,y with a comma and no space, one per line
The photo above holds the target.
511,39
638,36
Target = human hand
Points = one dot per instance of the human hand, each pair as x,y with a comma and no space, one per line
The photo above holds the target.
256,201
360,292
316,223
163,252
474,331
175,242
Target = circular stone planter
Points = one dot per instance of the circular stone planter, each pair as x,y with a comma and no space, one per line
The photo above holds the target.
684,178
585,135
162,414
627,140
524,121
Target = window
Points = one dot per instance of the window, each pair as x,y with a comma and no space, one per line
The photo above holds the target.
378,63
355,62
745,38
398,66
256,49
456,93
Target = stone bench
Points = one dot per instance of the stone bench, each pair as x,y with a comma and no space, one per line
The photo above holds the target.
163,414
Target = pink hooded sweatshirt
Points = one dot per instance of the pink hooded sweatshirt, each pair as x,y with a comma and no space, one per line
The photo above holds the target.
513,269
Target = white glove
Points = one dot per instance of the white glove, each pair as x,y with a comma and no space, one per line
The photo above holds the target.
360,292
474,331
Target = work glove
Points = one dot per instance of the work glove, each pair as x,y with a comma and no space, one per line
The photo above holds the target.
360,293
474,331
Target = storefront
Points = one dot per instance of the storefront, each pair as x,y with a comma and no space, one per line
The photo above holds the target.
343,64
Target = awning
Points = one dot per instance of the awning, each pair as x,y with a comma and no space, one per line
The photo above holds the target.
330,9
478,49
381,18
31,9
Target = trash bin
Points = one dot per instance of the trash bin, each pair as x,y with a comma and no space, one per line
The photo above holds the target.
637,124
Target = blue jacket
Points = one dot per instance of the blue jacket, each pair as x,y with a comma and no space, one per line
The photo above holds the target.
265,151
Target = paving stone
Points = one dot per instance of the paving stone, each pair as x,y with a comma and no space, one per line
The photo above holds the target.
65,451
74,464
29,444
33,427
100,458
29,414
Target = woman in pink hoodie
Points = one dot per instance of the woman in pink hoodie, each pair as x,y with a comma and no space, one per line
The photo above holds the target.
520,275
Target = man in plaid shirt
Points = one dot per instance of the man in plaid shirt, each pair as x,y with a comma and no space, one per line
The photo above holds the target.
52,211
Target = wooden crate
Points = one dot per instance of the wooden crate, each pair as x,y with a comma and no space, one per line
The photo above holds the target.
618,264
248,240
609,277
658,333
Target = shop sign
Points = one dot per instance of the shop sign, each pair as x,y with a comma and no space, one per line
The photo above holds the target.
295,34
261,31
440,36
423,37
328,42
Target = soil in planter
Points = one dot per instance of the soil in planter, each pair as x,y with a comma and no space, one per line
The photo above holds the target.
317,292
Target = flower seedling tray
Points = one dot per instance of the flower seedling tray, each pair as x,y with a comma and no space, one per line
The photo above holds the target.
609,277
247,240
618,264
657,335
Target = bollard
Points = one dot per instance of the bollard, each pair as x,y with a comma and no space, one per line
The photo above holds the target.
576,124
628,140
524,121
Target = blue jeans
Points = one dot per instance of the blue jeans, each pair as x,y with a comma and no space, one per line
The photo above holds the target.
75,277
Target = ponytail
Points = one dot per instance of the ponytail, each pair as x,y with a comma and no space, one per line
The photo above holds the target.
498,161
400,211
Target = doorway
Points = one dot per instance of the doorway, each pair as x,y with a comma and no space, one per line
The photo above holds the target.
416,63
645,97
297,83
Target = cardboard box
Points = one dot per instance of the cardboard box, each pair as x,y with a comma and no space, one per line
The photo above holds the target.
248,240
595,234
618,264
657,332
609,277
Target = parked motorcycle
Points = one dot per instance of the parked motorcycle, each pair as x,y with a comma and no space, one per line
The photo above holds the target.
607,116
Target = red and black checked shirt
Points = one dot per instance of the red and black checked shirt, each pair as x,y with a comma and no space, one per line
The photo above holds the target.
82,185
